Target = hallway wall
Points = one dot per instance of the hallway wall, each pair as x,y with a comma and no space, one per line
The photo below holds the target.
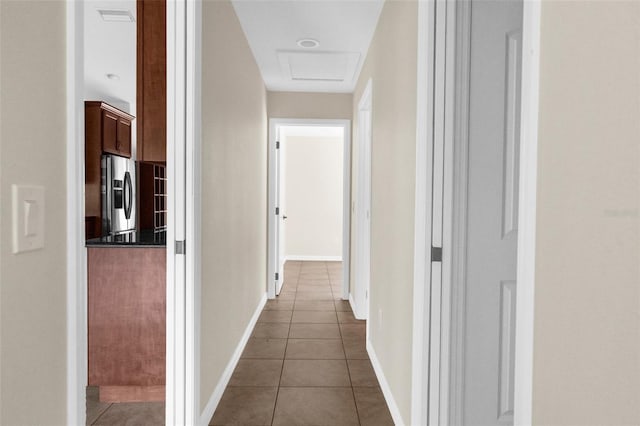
309,105
33,285
587,330
234,189
391,64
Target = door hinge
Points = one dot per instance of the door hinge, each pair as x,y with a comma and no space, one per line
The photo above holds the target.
277,211
277,276
180,247
436,254
277,144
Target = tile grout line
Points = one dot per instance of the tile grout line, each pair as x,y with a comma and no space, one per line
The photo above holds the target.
286,345
346,360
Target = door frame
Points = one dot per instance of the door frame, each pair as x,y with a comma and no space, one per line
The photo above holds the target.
274,125
183,122
432,280
359,298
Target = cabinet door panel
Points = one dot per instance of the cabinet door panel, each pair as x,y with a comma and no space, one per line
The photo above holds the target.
109,132
124,138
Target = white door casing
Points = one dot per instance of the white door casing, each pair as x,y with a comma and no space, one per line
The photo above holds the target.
359,297
432,318
278,213
184,213
183,123
282,202
274,186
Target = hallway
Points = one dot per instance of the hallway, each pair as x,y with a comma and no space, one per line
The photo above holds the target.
306,361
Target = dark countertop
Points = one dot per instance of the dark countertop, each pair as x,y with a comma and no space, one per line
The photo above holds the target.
149,239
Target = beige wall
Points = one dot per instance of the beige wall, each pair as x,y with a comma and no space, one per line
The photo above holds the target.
234,189
587,335
313,195
391,64
309,105
33,146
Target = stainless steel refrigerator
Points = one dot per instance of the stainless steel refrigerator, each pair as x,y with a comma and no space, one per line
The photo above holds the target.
118,186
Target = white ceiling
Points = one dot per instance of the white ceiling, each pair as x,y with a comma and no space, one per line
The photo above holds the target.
344,29
110,48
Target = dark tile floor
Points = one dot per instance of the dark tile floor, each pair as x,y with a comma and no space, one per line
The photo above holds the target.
122,414
305,364
306,361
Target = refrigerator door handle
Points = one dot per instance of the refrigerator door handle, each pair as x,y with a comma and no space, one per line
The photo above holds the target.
128,196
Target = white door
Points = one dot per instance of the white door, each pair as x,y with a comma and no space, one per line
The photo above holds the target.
363,207
282,202
494,113
279,241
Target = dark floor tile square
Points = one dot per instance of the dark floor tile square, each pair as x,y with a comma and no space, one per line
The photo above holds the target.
133,414
355,348
259,348
286,295
315,406
245,406
313,276
271,330
95,408
354,330
314,283
314,305
257,372
314,295
314,331
342,305
325,372
372,407
275,316
278,305
362,373
348,318
326,287
314,349
324,317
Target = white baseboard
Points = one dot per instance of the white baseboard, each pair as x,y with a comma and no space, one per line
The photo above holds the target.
315,258
214,400
384,385
356,312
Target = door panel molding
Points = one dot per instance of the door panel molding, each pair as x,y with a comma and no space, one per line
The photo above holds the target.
507,350
513,59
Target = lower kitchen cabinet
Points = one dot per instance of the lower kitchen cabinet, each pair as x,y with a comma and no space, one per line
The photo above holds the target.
127,322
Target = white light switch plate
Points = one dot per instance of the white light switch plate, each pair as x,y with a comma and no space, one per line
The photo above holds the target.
28,217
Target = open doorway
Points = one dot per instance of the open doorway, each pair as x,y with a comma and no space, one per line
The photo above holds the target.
309,196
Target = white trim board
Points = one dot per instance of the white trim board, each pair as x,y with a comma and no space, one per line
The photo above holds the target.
77,375
274,124
523,396
384,385
304,258
214,400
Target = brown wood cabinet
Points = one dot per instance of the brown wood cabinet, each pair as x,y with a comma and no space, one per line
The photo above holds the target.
127,322
107,130
151,97
152,199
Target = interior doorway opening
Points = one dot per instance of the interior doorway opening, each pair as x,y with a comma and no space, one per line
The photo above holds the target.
309,195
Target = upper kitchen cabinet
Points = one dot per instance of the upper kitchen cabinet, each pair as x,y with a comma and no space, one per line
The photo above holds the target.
108,129
151,99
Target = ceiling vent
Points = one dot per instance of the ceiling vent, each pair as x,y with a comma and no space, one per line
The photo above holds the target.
319,66
116,15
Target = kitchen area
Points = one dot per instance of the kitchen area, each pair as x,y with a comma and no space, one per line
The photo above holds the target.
125,206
